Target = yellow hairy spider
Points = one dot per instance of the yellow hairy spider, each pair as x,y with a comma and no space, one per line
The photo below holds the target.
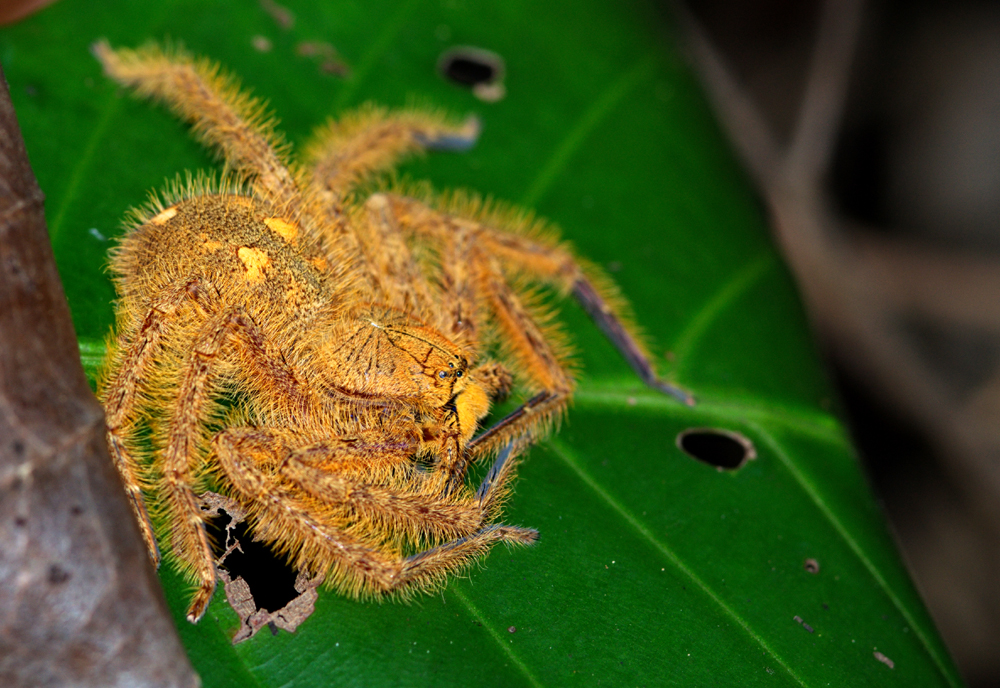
325,359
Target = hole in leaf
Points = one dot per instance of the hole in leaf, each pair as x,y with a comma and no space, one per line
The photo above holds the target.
477,69
271,579
260,587
724,449
471,66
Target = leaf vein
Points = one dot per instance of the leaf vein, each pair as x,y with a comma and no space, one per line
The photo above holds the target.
737,285
624,396
390,29
599,110
82,163
566,455
821,504
493,634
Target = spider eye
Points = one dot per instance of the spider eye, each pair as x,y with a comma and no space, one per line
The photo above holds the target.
442,374
458,374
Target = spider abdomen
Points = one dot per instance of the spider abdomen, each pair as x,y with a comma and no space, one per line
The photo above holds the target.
232,241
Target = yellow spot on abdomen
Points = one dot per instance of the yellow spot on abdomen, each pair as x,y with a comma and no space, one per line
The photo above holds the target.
255,261
286,230
209,244
161,218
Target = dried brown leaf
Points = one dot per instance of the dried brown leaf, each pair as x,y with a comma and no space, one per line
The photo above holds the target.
79,601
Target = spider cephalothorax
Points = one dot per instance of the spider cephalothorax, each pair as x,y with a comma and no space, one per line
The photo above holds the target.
348,348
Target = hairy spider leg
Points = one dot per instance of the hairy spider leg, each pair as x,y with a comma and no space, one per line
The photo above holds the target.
223,117
347,151
422,509
369,477
458,282
392,272
539,360
239,127
194,400
189,539
348,563
553,264
136,345
338,473
430,568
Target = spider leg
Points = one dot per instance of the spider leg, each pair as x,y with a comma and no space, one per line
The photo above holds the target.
131,356
419,506
540,361
496,485
223,117
182,432
614,329
353,478
394,274
431,567
371,139
552,263
345,554
458,282
180,456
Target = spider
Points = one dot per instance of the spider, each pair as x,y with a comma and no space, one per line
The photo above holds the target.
323,353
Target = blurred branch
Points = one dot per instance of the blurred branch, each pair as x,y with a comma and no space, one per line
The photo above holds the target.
809,153
79,601
859,289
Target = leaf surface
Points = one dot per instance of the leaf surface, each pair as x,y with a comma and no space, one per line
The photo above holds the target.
653,568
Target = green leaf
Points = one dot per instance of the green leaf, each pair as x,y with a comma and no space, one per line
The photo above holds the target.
653,568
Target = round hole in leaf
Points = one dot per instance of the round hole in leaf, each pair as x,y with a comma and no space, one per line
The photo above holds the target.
471,67
724,449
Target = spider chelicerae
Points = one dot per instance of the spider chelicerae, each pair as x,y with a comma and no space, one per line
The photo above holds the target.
324,355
